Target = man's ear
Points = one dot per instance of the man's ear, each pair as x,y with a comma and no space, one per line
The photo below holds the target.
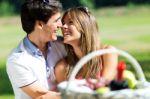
39,24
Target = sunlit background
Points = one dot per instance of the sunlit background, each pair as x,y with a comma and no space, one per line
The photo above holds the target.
124,24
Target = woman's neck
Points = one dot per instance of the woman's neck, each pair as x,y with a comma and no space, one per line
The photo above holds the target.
78,51
79,54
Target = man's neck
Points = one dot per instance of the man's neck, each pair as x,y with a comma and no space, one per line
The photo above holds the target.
43,46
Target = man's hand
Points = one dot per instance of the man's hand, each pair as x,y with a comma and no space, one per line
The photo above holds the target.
50,95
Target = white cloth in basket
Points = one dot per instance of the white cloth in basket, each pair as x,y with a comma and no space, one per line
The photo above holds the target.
76,86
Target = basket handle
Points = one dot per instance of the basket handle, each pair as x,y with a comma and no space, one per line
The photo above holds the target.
89,56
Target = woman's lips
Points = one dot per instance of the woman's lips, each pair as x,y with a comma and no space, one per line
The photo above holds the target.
66,33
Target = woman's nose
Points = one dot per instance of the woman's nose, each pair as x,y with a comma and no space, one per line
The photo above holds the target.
64,26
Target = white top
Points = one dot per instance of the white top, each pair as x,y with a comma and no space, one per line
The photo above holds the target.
25,67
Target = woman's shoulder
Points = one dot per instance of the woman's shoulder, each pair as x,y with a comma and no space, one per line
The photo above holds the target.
106,46
62,61
60,70
61,65
109,56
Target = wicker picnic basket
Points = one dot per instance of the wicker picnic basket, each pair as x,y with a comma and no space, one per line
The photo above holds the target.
71,90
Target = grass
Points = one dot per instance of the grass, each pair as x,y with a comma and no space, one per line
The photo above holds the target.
7,96
143,38
124,28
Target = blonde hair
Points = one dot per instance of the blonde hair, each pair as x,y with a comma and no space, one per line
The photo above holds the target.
86,24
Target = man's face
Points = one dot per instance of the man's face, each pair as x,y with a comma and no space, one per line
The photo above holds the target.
51,27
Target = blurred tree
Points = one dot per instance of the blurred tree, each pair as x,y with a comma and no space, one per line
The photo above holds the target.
87,3
17,4
140,1
104,3
6,8
70,3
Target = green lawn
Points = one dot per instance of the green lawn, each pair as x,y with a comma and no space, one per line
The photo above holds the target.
124,28
7,96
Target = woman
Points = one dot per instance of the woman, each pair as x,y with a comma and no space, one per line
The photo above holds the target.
80,32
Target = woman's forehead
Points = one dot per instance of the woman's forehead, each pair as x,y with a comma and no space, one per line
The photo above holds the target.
67,17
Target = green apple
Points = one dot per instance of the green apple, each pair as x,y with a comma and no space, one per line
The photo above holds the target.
130,77
102,90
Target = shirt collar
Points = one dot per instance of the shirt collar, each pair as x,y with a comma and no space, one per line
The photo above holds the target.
31,47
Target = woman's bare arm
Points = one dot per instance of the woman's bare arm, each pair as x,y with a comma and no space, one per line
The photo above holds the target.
60,71
110,62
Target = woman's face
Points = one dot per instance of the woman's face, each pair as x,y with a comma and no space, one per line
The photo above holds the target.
70,32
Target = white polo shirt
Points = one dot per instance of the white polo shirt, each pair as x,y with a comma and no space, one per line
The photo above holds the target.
26,64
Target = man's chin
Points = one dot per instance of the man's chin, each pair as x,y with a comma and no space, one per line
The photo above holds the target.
54,38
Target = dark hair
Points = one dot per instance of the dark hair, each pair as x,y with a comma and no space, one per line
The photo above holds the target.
41,10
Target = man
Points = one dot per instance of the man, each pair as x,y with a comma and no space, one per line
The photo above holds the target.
30,66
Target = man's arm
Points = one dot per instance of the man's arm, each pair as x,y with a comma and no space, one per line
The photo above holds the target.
50,95
36,91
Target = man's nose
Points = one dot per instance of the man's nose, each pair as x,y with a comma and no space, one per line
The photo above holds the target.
59,25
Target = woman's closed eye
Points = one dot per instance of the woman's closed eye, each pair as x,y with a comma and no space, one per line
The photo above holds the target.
67,23
70,22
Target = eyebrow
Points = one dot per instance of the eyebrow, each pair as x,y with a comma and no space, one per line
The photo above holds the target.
58,19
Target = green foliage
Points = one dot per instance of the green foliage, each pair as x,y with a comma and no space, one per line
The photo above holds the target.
88,3
5,86
131,5
6,9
